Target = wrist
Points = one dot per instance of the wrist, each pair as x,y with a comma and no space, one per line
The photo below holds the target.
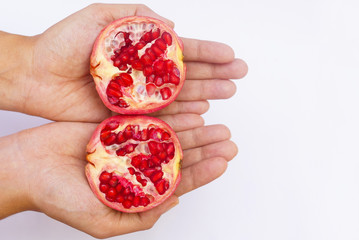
15,73
14,182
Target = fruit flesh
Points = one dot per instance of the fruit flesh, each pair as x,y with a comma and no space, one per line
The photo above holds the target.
147,50
141,158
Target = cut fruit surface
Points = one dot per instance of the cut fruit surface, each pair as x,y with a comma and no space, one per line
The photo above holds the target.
132,53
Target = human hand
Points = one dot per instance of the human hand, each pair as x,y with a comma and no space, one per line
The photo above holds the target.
55,81
50,160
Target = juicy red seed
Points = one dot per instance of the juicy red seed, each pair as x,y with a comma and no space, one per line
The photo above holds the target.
158,81
151,53
153,147
119,188
146,59
156,160
145,201
170,149
147,71
111,139
131,170
162,155
113,93
104,187
121,152
136,201
123,67
166,93
111,193
162,186
140,45
130,148
160,147
122,103
124,57
158,52
104,135
131,50
143,182
147,37
126,191
120,198
165,78
174,79
114,85
136,161
137,65
120,138
113,100
157,135
149,172
143,165
110,199
130,197
157,176
156,33
125,79
113,181
112,125
150,79
159,67
165,136
167,38
128,132
169,65
150,89
117,62
144,135
127,204
161,44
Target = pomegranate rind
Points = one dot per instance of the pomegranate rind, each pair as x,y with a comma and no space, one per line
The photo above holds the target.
100,160
102,69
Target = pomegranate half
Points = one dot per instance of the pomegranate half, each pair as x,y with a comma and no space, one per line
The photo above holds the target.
137,65
134,162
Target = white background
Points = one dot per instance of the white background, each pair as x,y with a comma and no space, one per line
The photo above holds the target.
294,117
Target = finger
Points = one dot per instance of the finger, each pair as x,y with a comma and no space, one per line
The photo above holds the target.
111,12
203,135
200,174
183,122
225,149
206,51
194,90
233,70
177,107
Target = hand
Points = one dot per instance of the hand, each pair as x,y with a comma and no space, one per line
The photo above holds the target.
57,84
49,165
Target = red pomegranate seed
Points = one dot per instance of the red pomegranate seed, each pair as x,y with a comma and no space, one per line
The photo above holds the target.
110,199
160,147
119,188
144,165
111,193
137,65
123,67
143,182
161,44
130,197
117,62
144,134
153,147
140,45
131,170
169,65
150,79
165,136
136,201
130,148
136,161
112,125
167,38
150,89
113,181
157,176
156,161
104,187
156,33
124,57
145,201
162,155
159,67
147,71
158,81
120,138
121,152
170,149
114,85
128,132
174,79
147,37
113,100
165,78
158,52
146,59
127,204
151,53
122,103
120,198
166,93
114,93
125,79
111,139
162,186
131,50
104,134
149,172
126,191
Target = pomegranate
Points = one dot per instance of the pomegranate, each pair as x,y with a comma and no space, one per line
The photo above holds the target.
133,162
137,65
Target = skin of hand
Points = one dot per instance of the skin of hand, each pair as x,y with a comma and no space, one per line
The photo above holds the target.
43,170
48,75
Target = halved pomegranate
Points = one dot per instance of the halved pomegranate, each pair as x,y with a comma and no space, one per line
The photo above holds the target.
134,162
137,65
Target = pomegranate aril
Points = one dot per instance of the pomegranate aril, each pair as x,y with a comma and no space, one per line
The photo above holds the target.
126,191
162,186
140,45
143,182
122,103
165,136
111,193
130,148
117,62
112,125
131,170
110,199
158,81
145,201
156,161
136,161
151,53
153,147
115,86
119,188
120,138
147,70
120,198
158,52
125,79
113,100
161,44
156,176
128,133
131,50
170,149
174,79
144,134
123,67
169,65
159,67
147,37
149,172
151,78
104,187
162,155
166,93
127,204
130,197
104,134
144,165
167,38
111,139
137,65
165,78
146,59
124,57
156,33
136,201
113,181
114,93
121,152
150,89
